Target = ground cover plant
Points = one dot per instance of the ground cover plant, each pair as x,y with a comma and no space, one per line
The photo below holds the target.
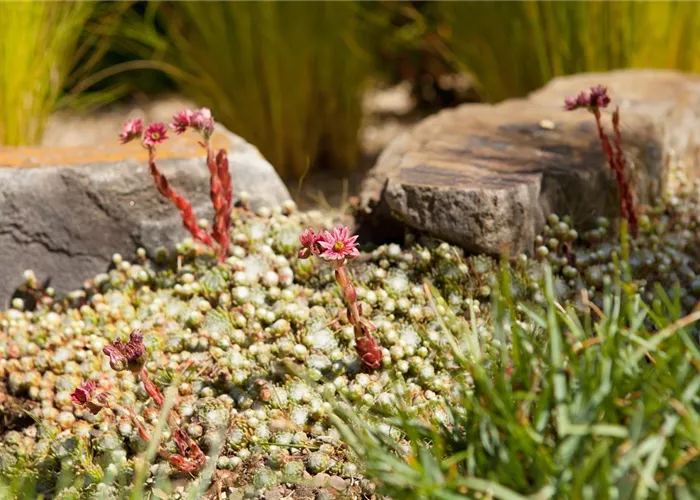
297,363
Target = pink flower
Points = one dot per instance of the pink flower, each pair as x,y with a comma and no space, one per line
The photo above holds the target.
155,133
339,245
596,98
83,393
308,238
131,130
580,101
130,355
310,243
181,121
599,97
203,122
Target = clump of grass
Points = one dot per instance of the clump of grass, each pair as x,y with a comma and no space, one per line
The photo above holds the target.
286,76
44,48
515,47
591,404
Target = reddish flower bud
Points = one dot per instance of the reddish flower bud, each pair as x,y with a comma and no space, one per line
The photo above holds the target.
83,393
132,129
116,359
203,122
598,97
310,241
181,121
130,355
580,101
304,253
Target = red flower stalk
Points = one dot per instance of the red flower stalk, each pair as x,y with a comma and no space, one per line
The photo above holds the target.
185,207
596,99
628,208
157,396
225,177
365,345
221,195
339,247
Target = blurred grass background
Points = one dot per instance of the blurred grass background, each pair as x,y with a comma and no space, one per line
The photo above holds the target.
46,49
290,76
515,47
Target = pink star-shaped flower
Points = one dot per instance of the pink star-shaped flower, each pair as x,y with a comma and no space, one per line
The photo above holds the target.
155,134
339,245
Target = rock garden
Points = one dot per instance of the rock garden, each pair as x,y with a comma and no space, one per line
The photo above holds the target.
506,308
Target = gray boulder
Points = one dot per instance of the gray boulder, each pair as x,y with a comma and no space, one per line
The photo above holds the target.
65,211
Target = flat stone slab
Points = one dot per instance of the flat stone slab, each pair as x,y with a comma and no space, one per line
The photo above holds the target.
65,211
485,177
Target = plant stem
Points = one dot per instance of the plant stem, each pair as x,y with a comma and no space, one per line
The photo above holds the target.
188,218
218,200
617,165
365,345
622,180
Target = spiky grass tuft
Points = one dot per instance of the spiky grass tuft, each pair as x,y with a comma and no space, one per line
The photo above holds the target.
593,404
46,47
286,76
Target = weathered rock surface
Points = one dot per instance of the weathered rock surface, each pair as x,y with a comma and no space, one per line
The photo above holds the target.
486,176
65,211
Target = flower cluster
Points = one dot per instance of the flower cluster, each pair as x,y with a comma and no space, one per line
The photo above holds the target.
336,245
200,120
596,98
129,355
221,190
